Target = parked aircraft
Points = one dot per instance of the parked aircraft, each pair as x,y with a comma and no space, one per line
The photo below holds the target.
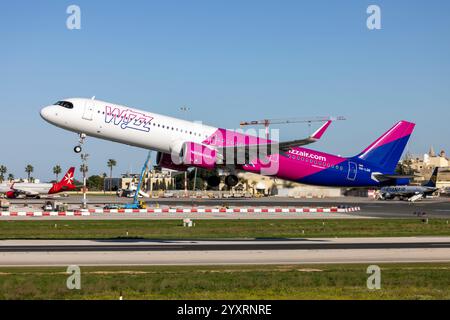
36,190
411,193
182,144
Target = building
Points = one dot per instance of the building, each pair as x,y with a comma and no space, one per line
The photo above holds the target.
424,165
262,185
156,179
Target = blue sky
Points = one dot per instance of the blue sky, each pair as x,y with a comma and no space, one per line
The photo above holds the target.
228,61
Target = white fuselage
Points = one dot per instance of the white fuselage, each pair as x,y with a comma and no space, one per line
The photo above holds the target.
126,125
32,188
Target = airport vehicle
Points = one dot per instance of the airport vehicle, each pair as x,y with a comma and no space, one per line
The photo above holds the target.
411,193
55,206
4,205
36,190
182,144
134,205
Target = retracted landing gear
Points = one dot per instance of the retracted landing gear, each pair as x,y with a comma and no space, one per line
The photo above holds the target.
79,148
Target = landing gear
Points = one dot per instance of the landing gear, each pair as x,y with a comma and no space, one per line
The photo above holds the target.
78,148
213,181
231,180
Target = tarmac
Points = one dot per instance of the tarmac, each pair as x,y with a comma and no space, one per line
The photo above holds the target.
370,208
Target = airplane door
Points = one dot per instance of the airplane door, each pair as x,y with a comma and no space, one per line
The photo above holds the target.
89,110
352,171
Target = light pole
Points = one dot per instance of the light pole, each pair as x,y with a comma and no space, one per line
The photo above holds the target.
195,180
84,170
185,184
185,109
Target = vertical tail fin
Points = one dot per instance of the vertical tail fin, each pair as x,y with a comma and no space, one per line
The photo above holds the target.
433,179
67,181
385,152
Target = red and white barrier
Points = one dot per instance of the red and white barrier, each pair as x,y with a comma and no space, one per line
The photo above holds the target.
43,214
249,210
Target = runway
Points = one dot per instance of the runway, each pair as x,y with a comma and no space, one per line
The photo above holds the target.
154,252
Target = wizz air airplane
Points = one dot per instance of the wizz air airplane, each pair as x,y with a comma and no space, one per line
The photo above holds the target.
36,190
182,144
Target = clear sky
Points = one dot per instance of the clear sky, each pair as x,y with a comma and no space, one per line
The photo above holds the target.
227,61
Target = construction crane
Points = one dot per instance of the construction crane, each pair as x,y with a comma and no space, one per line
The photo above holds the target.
267,122
136,204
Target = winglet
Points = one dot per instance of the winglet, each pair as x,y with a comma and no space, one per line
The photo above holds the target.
319,133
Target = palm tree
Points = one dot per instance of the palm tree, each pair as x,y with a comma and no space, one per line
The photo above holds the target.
104,176
57,171
111,164
3,171
29,170
10,177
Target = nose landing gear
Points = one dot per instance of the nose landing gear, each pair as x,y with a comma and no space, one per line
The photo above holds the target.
79,148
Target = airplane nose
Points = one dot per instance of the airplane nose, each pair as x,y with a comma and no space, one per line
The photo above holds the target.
45,113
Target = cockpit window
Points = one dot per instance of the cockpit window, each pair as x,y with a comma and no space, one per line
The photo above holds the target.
65,104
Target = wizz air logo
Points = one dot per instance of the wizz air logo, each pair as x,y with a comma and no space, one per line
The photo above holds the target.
128,119
307,155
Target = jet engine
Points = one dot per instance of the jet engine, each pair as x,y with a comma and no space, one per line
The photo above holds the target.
198,155
11,195
165,160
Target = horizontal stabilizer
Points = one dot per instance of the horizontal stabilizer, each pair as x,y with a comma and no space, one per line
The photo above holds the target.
385,177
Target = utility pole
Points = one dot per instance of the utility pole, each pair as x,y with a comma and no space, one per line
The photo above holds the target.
185,184
195,180
84,170
185,109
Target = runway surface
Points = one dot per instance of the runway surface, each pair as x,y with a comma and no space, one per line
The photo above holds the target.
433,208
296,251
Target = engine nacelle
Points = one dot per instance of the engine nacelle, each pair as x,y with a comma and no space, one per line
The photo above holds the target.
198,155
165,160
11,195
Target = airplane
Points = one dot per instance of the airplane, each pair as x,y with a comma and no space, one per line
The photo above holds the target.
411,193
182,144
36,190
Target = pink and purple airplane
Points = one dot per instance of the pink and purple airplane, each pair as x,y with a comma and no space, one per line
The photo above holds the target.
182,144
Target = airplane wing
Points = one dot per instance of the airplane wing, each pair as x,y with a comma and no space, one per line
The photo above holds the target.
267,149
285,146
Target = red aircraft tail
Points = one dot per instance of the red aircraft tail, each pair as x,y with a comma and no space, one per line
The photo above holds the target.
66,184
67,181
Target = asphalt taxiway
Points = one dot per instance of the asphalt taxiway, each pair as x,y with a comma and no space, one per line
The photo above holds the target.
370,208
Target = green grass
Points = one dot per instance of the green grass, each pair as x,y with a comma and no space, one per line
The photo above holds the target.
398,281
215,229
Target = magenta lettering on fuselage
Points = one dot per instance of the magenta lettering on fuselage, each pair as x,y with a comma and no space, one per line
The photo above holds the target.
128,119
